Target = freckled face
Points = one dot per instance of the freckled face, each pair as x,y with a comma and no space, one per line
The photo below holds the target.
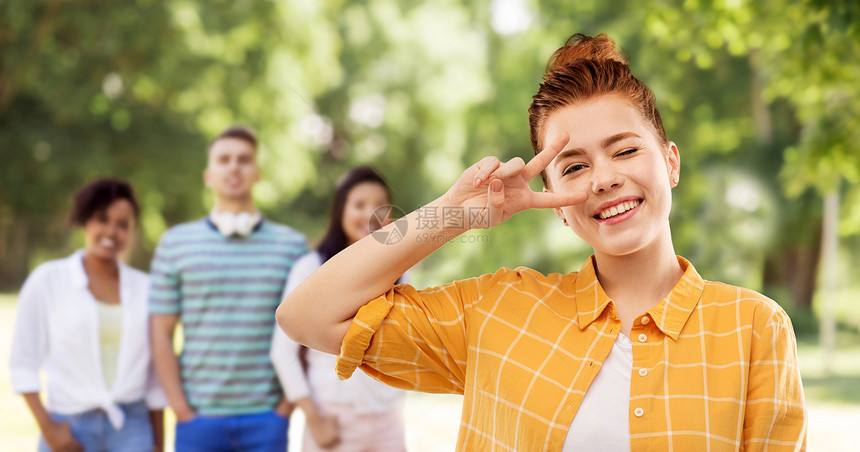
108,232
614,156
362,201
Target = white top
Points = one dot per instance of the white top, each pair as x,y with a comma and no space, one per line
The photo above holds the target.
363,393
602,421
57,331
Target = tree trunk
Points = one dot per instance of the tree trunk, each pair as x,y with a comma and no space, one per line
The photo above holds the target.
829,276
3,226
795,269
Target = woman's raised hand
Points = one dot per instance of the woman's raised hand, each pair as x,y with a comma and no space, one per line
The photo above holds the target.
503,188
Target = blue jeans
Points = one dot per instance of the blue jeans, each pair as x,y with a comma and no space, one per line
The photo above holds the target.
259,432
95,433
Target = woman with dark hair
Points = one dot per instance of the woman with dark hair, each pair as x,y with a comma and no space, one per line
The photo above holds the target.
83,321
359,414
632,351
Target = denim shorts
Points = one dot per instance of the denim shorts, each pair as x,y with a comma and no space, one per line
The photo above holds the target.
259,432
94,432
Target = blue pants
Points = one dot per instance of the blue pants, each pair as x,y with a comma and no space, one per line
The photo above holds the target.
96,434
260,432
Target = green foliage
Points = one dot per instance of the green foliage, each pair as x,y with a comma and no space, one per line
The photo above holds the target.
761,98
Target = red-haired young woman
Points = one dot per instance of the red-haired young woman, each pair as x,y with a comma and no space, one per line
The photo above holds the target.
633,351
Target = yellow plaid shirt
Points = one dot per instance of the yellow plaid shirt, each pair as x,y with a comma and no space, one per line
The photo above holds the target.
714,366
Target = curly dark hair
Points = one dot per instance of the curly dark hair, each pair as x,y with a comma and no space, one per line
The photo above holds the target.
96,196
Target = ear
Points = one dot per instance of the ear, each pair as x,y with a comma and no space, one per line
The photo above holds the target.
557,210
673,164
207,177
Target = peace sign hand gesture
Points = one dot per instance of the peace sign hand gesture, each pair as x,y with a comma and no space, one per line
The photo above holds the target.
503,188
369,267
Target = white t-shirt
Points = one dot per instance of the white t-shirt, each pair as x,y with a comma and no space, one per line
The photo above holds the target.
602,421
363,393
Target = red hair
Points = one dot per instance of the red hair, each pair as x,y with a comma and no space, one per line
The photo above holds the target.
584,68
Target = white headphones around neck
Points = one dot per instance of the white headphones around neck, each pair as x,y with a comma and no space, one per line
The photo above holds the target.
230,224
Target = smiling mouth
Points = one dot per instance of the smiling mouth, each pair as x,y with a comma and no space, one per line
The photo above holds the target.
107,243
617,209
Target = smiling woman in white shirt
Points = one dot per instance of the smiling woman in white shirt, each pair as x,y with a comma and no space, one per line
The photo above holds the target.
83,321
359,414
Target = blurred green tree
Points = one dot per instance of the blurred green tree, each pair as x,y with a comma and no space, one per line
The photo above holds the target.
761,97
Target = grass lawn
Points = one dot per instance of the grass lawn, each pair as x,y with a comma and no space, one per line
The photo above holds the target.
840,386
432,420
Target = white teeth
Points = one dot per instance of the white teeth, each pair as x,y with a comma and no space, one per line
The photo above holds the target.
618,209
107,242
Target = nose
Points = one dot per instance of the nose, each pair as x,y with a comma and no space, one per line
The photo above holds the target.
370,213
376,214
108,231
605,178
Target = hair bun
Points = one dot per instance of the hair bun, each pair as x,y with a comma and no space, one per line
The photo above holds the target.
598,48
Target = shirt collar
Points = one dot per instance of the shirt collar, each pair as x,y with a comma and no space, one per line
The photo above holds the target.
670,314
76,269
79,275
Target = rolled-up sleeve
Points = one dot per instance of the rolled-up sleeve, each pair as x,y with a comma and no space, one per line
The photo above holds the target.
284,352
285,359
30,340
415,339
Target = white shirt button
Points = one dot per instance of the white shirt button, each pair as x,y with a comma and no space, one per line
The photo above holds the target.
645,320
639,412
643,372
643,338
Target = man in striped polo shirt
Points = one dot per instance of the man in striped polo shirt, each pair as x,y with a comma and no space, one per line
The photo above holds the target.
221,277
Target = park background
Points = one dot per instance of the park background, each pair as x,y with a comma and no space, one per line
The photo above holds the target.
762,98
